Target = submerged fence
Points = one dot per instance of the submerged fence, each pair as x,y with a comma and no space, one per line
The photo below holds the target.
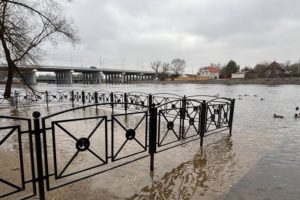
132,126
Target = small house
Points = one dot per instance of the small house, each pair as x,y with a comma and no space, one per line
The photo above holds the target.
209,72
274,70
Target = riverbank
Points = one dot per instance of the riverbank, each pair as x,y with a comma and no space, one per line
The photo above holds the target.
257,81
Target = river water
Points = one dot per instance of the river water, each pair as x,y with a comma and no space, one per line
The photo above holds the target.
260,161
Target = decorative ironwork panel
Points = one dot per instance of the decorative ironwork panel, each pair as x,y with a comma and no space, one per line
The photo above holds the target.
137,101
191,121
13,186
85,149
17,174
118,99
218,114
169,127
129,136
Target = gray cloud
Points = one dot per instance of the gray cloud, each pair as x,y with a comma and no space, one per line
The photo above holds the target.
131,33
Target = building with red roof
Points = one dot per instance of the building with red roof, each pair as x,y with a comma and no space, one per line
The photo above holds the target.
209,72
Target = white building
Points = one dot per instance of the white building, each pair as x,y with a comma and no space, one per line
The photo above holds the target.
209,72
238,75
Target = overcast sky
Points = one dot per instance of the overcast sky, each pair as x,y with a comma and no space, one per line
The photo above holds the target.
130,34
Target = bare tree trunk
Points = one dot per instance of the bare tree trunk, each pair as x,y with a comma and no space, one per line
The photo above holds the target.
11,68
9,82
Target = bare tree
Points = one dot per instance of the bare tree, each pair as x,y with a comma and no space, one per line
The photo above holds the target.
260,69
156,66
287,64
218,65
178,65
24,26
165,68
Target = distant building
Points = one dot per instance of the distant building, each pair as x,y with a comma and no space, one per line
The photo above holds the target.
274,70
251,74
209,72
238,75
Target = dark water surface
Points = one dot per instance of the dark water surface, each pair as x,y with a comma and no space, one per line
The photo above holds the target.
260,161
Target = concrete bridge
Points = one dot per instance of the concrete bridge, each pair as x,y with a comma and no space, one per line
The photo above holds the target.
92,75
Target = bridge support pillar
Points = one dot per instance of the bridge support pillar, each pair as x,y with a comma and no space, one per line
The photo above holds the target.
123,78
114,78
64,77
117,78
92,78
30,77
69,77
97,78
109,78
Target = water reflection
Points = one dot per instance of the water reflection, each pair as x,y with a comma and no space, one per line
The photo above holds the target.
191,177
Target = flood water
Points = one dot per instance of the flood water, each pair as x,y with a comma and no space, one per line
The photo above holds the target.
261,160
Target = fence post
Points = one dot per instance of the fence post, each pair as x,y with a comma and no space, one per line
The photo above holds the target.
152,135
182,117
231,115
112,101
16,99
203,121
72,97
39,158
150,100
219,116
96,97
125,101
47,98
83,97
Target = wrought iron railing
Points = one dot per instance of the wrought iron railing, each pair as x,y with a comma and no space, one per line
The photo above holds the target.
132,126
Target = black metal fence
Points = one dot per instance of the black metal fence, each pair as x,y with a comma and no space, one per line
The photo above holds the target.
157,122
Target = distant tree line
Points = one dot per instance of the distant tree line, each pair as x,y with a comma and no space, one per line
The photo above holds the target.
261,70
288,69
166,69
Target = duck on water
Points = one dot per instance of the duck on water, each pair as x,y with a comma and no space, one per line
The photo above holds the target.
278,116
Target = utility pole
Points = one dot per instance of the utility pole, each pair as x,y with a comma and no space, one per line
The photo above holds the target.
71,60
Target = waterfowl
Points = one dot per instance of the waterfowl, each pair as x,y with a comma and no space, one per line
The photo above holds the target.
296,115
278,116
297,108
240,98
255,95
246,95
262,99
